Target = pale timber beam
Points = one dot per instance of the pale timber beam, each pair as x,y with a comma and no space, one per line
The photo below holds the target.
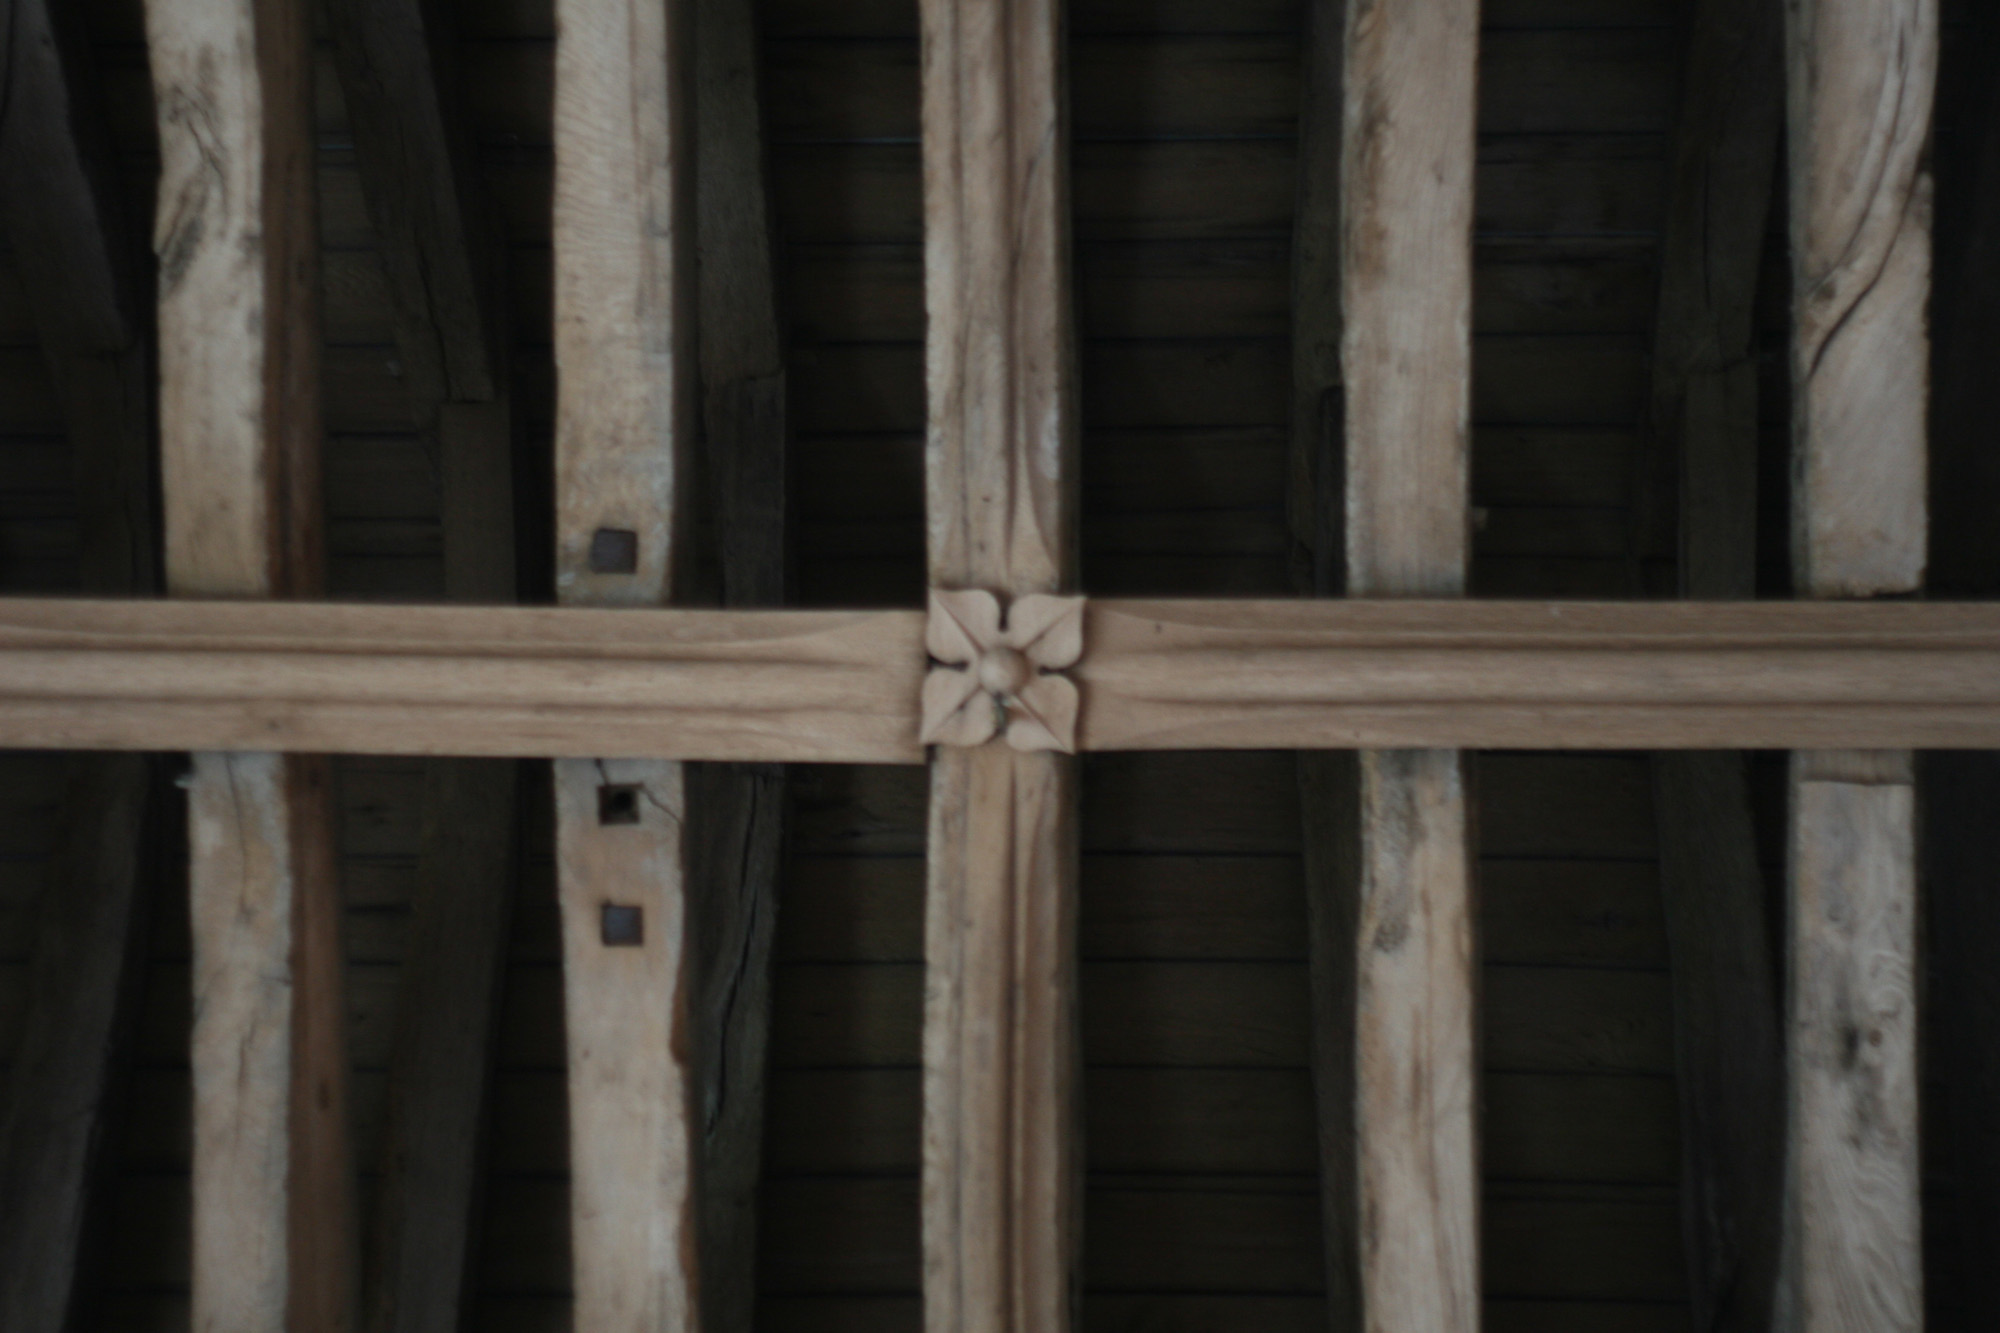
741,808
75,258
1703,430
1001,1144
397,71
1406,296
1329,789
1861,86
1961,835
274,1227
624,231
844,686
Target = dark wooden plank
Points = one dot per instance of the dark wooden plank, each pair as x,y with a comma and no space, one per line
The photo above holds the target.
60,204
395,60
1703,431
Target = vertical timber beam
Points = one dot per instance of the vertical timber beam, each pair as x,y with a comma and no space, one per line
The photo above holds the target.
1704,417
60,208
239,332
1861,85
1000,1194
734,901
396,64
1329,790
625,373
1406,284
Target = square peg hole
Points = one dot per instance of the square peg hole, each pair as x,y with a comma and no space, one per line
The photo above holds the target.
622,924
614,551
618,805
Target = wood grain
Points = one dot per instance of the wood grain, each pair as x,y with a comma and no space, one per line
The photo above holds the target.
1406,287
1862,78
59,203
624,234
274,1225
1001,1144
1861,86
844,686
1702,443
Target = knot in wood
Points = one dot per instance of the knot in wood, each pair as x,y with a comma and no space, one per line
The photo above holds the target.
1004,670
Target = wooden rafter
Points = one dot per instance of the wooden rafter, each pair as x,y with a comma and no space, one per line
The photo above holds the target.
1704,432
1862,78
397,73
273,1178
741,808
1001,1188
1406,366
59,208
624,231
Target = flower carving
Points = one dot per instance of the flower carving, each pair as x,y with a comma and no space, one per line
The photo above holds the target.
994,670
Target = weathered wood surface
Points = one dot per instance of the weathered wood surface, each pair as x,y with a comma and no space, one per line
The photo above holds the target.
399,78
1701,445
1001,1196
274,1227
1406,293
734,899
844,686
625,289
1861,85
59,204
779,685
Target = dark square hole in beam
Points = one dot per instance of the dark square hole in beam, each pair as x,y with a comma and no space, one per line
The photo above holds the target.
623,925
614,551
617,805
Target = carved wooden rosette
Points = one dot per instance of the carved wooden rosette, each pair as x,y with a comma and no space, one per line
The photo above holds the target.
995,671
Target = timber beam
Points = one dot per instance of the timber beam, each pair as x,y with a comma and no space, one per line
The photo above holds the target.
274,1212
846,686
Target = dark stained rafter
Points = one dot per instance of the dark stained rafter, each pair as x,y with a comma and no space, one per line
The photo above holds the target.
1704,433
395,60
61,211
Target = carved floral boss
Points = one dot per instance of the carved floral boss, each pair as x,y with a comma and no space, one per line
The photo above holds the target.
995,671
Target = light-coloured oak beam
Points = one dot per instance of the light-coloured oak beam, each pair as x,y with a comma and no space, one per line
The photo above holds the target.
64,219
1000,1160
1701,444
624,232
397,68
274,1230
846,686
1405,238
741,808
1861,83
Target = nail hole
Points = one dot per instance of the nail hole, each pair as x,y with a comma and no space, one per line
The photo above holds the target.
614,551
621,924
617,805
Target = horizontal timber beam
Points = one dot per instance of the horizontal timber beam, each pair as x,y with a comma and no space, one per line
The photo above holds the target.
844,686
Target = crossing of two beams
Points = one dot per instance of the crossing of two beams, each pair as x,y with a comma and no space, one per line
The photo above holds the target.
619,689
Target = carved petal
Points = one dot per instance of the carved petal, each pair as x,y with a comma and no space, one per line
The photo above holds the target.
956,710
1044,716
1048,629
963,623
